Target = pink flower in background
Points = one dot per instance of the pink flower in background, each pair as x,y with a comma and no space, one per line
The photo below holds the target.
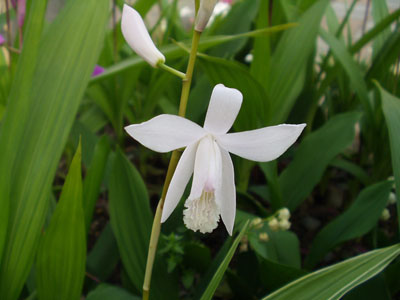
227,1
2,40
97,70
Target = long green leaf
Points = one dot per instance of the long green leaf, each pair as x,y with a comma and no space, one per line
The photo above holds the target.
60,265
94,177
36,128
289,61
352,69
391,110
353,222
131,220
216,279
20,90
333,282
313,156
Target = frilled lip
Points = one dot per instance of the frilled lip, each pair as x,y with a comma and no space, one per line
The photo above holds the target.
165,133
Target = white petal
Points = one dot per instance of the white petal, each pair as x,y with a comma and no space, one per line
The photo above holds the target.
205,11
223,109
263,144
179,180
165,133
137,36
201,167
226,195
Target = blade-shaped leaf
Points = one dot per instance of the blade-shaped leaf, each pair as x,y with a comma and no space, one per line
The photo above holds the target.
216,279
360,218
289,61
131,219
36,128
335,281
391,110
313,156
60,264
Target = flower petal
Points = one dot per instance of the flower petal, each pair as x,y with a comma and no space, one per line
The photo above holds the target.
165,133
223,109
262,144
204,154
226,195
137,36
180,179
205,11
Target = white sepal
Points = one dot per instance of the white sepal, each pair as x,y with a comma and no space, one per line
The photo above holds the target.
137,36
205,11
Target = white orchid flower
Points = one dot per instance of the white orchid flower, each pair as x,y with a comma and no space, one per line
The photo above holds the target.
138,38
207,157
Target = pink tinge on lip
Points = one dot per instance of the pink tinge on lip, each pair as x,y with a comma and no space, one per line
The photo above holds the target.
208,186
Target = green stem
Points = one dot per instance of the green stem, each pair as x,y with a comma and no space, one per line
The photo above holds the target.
155,231
172,70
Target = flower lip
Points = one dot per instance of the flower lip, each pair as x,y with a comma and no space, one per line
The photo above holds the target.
138,38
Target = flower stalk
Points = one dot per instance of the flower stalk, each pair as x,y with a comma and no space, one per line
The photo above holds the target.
156,228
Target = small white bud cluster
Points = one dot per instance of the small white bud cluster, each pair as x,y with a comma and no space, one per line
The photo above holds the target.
281,222
385,216
244,244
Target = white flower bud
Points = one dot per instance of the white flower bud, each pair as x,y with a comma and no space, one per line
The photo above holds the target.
257,223
138,38
284,214
205,11
392,198
284,224
274,224
263,237
385,215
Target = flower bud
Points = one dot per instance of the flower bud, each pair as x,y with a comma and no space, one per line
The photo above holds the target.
257,223
385,215
138,38
392,198
273,224
205,11
263,237
284,224
284,214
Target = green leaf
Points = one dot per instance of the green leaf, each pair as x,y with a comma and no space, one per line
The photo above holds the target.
104,256
356,221
351,68
107,292
19,90
172,51
335,281
60,264
391,110
289,61
314,155
379,12
94,178
216,279
130,217
36,128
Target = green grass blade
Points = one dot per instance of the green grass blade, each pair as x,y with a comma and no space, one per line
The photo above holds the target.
391,110
216,279
37,126
333,282
107,292
353,222
60,265
379,12
314,155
